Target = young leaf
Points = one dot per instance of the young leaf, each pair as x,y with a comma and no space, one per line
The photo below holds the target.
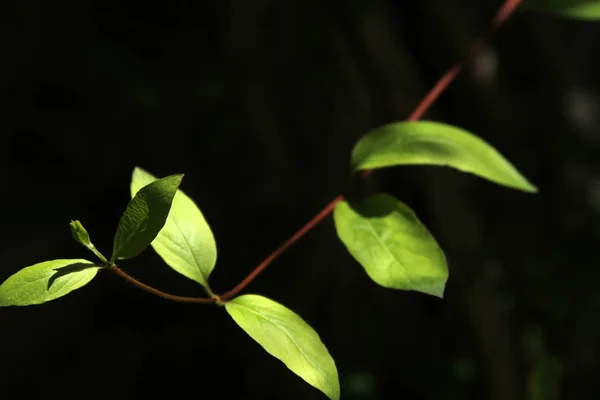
287,337
46,281
391,244
578,9
186,242
144,217
434,143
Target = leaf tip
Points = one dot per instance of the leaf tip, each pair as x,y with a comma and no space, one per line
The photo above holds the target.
436,289
137,170
526,186
519,183
177,178
532,189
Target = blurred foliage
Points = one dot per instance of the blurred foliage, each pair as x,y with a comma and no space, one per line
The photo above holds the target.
579,9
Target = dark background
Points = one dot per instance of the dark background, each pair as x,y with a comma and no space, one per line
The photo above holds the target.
259,102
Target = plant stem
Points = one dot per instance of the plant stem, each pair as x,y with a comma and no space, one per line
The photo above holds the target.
505,11
94,250
159,293
309,225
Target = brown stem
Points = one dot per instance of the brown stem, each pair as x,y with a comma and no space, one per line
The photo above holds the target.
505,11
156,292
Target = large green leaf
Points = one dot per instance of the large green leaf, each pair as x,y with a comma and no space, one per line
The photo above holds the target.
433,143
144,217
392,245
578,9
46,281
186,242
287,337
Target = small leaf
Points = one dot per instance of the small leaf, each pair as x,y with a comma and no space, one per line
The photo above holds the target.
434,143
577,9
144,217
391,244
46,281
287,337
186,242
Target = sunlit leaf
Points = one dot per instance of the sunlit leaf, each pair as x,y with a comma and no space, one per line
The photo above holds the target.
287,337
144,217
46,281
578,9
391,244
186,242
434,143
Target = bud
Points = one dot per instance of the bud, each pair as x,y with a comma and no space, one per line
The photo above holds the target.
80,234
82,237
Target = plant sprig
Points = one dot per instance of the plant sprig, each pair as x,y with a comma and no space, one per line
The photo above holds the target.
383,234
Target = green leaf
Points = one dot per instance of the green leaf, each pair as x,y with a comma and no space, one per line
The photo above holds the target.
391,244
186,242
434,143
46,281
287,337
578,9
144,217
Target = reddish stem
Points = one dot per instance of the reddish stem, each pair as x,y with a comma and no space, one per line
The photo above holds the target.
267,261
505,11
156,292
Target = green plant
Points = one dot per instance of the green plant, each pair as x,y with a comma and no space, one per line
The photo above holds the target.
380,232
